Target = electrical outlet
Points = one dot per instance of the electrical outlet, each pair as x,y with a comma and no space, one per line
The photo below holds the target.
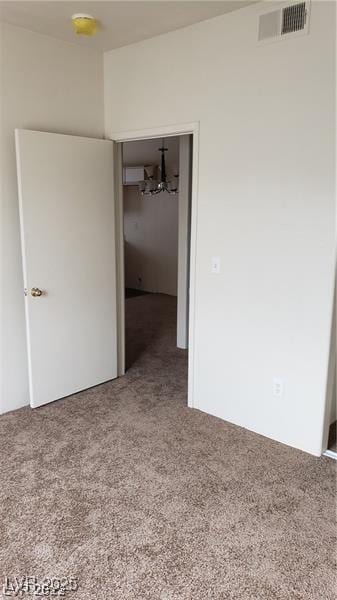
278,387
215,264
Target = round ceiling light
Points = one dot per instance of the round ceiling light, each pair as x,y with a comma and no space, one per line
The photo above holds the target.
84,24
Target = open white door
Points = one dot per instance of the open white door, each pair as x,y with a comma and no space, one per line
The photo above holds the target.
67,216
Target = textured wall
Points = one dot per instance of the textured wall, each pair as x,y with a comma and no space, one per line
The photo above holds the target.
48,85
266,206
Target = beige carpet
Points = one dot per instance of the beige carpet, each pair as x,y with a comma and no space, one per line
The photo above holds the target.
137,496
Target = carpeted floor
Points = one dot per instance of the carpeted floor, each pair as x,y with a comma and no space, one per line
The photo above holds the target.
125,488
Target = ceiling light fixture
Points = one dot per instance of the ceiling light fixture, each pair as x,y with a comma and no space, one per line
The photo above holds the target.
84,24
151,186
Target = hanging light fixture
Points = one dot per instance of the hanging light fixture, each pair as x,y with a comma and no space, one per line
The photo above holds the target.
151,186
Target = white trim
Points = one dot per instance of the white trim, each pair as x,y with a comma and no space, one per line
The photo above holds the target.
330,454
154,132
24,263
159,132
193,268
120,283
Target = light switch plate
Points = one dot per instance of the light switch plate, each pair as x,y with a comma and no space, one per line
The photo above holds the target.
215,264
278,387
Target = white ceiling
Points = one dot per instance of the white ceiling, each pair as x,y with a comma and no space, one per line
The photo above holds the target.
120,22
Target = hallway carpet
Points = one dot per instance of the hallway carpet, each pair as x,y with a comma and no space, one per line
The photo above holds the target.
125,488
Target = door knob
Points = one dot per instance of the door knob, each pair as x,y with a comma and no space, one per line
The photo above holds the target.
34,291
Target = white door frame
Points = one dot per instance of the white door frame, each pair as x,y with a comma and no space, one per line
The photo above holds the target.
144,134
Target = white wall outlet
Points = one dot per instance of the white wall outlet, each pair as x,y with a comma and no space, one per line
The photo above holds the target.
278,387
215,264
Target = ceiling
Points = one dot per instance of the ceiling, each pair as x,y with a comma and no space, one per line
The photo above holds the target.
120,22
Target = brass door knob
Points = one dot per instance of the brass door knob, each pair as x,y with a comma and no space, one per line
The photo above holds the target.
35,292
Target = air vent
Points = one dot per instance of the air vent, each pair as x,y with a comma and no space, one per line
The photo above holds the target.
294,18
287,21
269,25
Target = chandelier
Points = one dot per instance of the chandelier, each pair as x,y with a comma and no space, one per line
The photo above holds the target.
151,186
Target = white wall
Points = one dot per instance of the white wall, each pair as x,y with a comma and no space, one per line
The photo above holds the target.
151,241
265,206
151,223
49,85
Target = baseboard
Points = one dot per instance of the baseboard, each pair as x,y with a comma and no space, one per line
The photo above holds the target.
330,454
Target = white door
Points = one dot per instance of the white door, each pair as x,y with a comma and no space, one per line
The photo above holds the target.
68,245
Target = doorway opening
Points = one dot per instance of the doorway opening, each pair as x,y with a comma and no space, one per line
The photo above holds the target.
87,260
156,249
332,422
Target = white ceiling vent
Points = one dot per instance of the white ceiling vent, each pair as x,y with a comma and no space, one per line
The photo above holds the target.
288,21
